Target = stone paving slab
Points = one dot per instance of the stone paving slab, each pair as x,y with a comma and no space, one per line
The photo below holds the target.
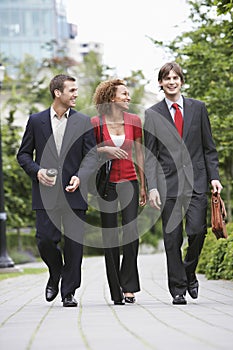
28,322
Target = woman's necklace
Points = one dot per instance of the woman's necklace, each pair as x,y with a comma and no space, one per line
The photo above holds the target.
115,127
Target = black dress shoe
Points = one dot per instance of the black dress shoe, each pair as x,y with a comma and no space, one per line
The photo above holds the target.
51,290
179,300
70,301
121,302
130,300
193,291
193,285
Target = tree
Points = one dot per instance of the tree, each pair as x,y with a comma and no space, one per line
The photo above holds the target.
91,72
17,188
136,83
206,56
223,6
29,93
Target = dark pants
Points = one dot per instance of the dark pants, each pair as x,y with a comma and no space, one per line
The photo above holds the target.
122,275
194,209
67,265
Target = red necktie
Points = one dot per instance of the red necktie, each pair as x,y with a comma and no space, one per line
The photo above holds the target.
178,119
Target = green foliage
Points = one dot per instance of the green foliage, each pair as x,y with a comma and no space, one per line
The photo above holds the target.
17,188
29,93
21,256
215,264
154,235
224,6
216,260
210,242
29,90
26,242
26,271
226,267
91,72
150,239
206,56
136,84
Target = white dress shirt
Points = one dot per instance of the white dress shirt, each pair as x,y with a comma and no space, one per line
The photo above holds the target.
172,110
58,127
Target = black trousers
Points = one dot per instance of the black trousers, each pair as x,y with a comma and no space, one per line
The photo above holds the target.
64,264
191,209
122,274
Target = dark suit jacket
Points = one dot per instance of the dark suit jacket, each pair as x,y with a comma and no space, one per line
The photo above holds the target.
77,157
170,160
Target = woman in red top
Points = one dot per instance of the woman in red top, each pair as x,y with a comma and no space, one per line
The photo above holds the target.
122,135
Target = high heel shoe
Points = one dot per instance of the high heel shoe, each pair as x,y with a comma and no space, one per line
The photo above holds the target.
130,300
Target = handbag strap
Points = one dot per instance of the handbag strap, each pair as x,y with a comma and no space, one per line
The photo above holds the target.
101,128
109,162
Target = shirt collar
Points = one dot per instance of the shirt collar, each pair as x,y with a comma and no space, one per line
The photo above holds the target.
180,102
53,114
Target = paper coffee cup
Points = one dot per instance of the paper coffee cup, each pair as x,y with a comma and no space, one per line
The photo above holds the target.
52,173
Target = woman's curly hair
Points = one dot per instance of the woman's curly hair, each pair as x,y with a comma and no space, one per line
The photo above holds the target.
105,93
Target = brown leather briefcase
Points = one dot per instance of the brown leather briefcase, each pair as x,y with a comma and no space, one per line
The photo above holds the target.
218,216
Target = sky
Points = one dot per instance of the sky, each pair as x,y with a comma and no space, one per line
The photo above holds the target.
123,27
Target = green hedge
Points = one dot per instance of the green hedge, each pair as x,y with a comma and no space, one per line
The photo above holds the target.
22,247
26,240
216,260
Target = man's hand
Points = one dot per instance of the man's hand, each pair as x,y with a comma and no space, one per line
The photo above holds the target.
73,185
154,199
45,179
216,186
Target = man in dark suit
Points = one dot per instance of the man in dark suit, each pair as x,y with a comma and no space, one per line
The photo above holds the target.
181,161
60,138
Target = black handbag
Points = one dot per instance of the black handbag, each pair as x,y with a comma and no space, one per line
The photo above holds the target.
98,183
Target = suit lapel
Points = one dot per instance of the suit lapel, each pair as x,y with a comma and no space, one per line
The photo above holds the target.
163,110
47,132
188,116
70,132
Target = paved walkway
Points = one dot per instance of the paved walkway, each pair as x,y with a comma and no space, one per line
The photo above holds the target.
28,322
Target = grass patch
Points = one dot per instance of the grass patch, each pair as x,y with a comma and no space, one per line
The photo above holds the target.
24,271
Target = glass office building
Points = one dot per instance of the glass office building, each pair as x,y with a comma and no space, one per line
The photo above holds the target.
34,27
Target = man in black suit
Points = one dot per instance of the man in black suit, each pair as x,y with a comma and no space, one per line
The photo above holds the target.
181,161
60,138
